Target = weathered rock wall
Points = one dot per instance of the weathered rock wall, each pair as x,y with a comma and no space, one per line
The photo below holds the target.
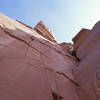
32,67
87,73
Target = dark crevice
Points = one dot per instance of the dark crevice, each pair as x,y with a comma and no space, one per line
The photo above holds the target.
73,53
56,96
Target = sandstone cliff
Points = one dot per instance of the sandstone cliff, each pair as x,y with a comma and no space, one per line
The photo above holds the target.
34,66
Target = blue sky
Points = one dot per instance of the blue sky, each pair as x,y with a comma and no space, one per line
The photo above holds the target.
65,18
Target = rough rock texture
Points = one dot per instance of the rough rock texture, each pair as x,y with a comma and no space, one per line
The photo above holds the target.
33,66
87,73
44,31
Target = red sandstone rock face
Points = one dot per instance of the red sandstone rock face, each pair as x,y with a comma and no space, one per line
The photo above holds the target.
31,66
80,38
41,29
34,66
87,74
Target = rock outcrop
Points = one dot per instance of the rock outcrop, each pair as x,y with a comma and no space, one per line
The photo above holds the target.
87,73
34,66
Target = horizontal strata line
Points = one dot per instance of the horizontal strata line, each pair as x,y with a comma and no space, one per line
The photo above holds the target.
59,73
56,50
37,41
15,37
11,35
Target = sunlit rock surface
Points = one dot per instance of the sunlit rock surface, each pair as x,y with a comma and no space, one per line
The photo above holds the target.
34,66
